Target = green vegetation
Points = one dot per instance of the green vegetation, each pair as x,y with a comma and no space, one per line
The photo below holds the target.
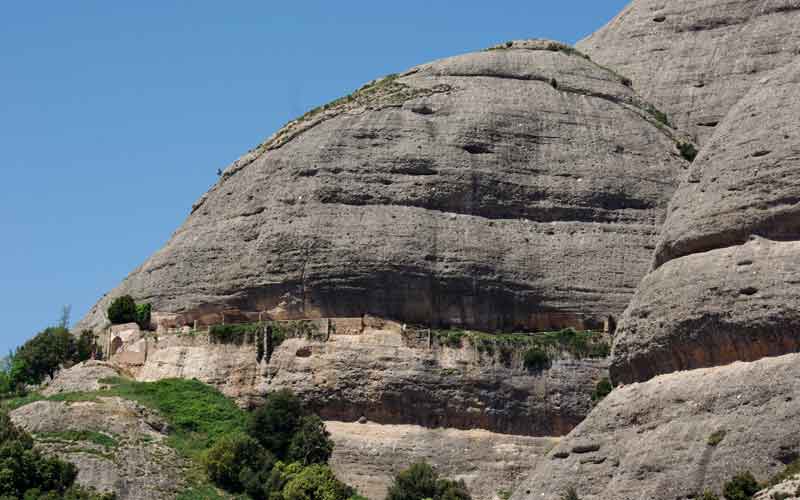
566,49
536,359
83,435
601,390
504,494
241,334
717,437
311,443
570,494
230,456
688,151
708,495
125,310
316,482
791,470
26,473
741,487
421,481
659,115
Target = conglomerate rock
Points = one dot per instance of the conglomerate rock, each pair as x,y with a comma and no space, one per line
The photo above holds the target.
679,435
726,285
694,59
520,187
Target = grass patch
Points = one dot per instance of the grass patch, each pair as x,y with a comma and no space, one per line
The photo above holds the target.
717,437
74,436
198,414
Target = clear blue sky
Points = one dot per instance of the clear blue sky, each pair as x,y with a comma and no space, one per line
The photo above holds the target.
115,116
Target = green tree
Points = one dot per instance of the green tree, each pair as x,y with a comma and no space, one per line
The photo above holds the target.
43,355
143,313
311,443
230,455
85,346
274,424
122,310
422,481
741,487
316,482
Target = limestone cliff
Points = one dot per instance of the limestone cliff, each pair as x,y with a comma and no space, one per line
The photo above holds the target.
520,187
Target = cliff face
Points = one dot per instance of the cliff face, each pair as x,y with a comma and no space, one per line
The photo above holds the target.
695,59
517,187
679,435
726,284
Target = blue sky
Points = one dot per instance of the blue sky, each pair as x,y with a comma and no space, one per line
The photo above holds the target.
115,116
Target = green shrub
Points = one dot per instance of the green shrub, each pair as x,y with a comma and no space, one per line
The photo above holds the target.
316,482
536,359
245,333
230,455
741,487
421,481
122,310
570,494
790,471
143,313
688,151
311,442
86,346
274,424
42,356
707,495
602,389
717,437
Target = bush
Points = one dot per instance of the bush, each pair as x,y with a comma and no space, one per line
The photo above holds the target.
707,495
688,151
316,482
246,333
716,438
274,424
311,443
86,346
122,310
742,487
536,359
422,481
229,456
602,389
143,312
570,494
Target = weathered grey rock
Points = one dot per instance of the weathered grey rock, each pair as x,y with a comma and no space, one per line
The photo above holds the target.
652,440
389,379
83,377
368,456
695,59
716,296
139,466
519,187
785,490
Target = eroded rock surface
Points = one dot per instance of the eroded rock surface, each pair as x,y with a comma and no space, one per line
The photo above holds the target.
695,59
718,294
678,435
117,445
520,187
83,377
368,456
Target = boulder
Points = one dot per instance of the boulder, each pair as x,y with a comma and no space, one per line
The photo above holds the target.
679,435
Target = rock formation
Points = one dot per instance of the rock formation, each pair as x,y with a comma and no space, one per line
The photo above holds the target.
369,455
695,59
726,283
520,187
679,435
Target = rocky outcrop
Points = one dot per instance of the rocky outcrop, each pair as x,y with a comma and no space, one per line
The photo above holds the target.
117,445
391,378
520,187
785,490
718,293
83,377
679,435
695,59
368,456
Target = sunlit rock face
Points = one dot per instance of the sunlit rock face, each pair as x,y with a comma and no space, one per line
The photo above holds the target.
521,187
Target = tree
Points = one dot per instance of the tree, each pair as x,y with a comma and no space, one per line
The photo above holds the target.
143,312
422,481
741,487
43,355
311,443
229,456
86,346
122,310
274,424
316,482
